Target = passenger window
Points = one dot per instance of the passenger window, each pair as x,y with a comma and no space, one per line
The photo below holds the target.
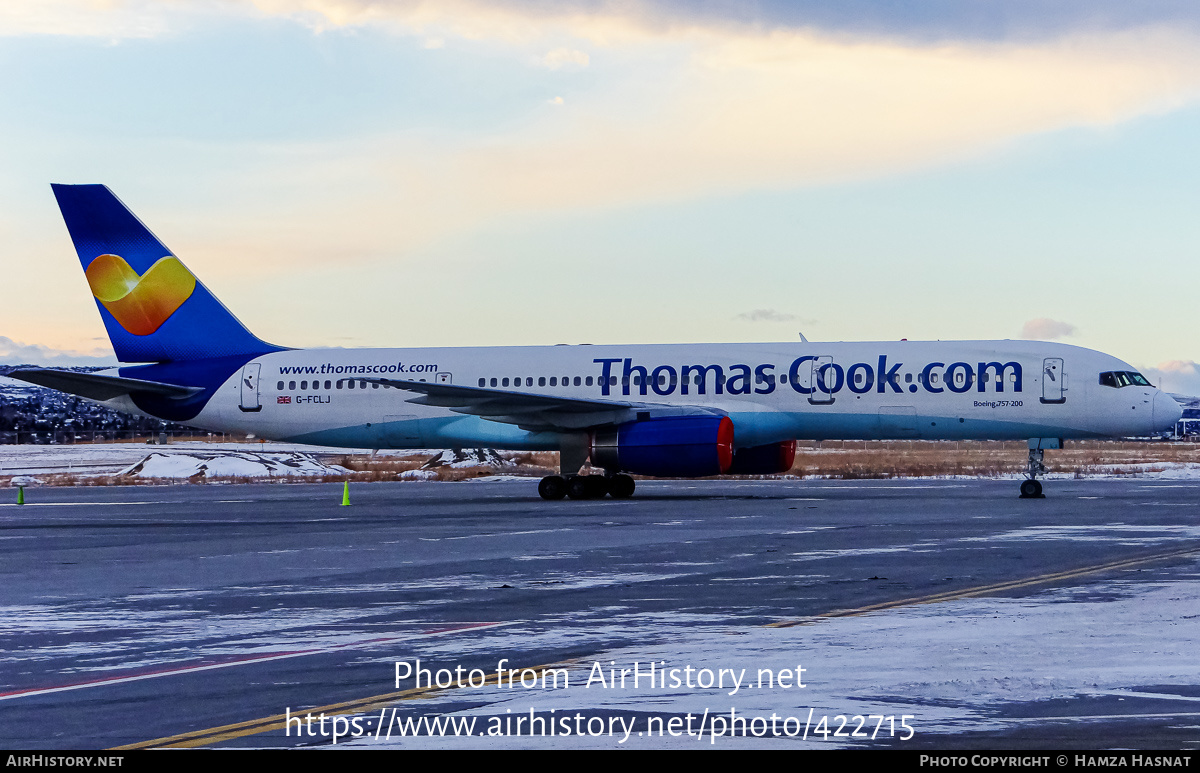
291,385
482,382
578,381
504,382
493,382
529,381
589,380
349,384
327,384
858,378
280,387
374,385
339,384
907,378
303,385
541,381
554,381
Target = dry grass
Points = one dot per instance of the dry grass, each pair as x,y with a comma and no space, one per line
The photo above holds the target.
911,459
826,459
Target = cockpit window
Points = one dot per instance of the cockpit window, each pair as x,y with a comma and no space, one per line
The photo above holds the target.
1123,378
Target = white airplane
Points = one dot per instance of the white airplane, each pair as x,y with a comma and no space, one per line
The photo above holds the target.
686,410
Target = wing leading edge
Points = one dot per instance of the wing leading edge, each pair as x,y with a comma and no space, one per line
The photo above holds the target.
533,412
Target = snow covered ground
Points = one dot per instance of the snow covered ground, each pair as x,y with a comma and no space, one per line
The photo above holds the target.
227,464
949,667
112,458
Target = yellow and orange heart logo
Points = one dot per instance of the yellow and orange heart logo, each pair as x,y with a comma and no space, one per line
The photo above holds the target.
140,303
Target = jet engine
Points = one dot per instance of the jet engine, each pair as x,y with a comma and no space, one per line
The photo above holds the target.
669,446
768,459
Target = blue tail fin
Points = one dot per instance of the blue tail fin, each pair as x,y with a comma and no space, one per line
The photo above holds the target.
154,308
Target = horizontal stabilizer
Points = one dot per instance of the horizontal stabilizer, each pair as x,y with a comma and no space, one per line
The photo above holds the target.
95,386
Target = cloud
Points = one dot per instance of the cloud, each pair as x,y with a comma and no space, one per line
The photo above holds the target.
768,315
15,353
1044,329
1179,376
684,104
88,18
565,57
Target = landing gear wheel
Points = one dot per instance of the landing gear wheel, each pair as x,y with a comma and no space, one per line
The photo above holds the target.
578,488
620,487
587,487
1031,489
552,487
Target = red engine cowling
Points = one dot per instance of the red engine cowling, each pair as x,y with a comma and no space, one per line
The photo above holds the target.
771,459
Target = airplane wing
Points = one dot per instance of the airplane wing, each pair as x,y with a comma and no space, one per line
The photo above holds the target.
96,386
535,412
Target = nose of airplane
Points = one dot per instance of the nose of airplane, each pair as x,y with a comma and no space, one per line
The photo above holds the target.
1165,411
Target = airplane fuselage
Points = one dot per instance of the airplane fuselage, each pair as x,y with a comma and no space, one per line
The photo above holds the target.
771,392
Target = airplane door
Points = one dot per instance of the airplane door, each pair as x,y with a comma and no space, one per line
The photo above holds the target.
250,401
1053,381
823,379
444,378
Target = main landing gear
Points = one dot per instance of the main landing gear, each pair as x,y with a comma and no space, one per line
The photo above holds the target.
1031,487
586,486
574,449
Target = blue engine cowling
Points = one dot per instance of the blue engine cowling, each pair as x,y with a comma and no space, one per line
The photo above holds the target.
670,446
771,459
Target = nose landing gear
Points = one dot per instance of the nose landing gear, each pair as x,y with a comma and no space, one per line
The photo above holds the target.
1031,487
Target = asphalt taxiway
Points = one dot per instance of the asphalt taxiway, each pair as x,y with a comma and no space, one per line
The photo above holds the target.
207,615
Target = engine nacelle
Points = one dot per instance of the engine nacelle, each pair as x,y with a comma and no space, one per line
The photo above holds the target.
670,446
771,459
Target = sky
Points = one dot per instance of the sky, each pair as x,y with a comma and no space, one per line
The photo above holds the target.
393,173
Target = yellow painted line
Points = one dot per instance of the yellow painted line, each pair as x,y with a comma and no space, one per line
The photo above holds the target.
222,733
982,590
215,735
